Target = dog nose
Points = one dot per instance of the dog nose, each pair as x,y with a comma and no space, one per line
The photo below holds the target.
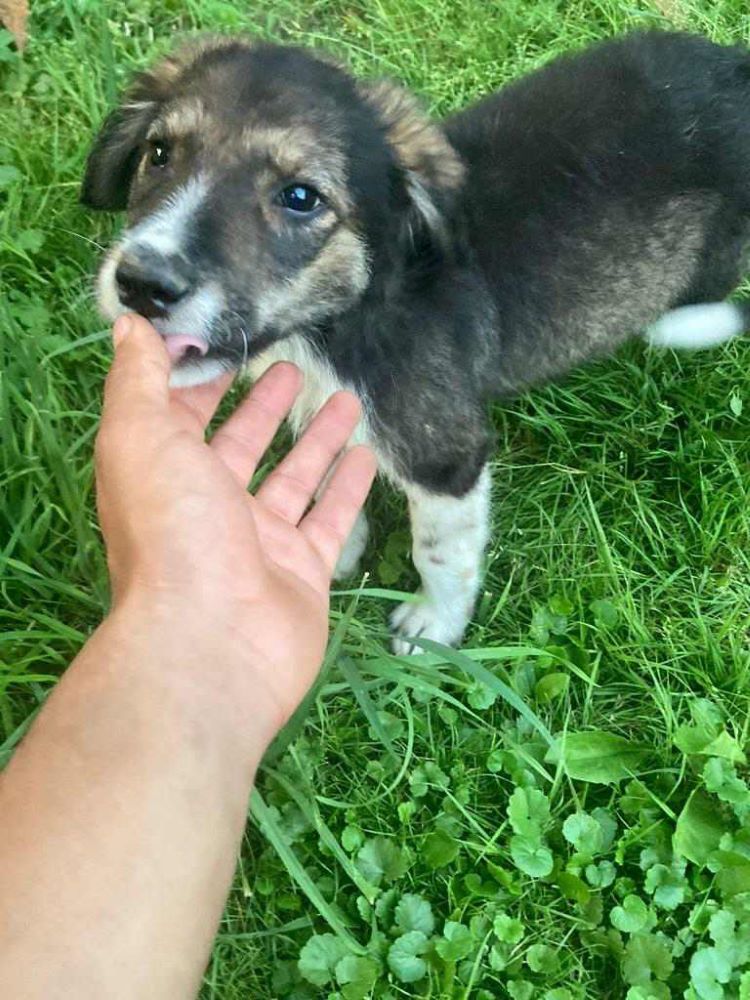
150,285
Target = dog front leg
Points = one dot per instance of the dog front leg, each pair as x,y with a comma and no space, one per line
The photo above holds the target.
348,562
354,547
449,538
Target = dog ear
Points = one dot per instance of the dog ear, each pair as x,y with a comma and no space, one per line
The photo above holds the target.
114,156
433,168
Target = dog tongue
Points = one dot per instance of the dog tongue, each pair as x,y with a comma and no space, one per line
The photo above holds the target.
178,343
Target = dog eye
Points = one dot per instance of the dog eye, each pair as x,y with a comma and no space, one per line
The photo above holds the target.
159,154
301,199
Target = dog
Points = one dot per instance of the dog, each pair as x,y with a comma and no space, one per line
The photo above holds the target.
278,208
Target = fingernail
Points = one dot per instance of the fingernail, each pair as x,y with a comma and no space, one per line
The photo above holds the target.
123,326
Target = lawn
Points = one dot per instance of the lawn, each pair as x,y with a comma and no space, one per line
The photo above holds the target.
560,810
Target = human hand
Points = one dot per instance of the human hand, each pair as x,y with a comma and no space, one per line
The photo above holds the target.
241,580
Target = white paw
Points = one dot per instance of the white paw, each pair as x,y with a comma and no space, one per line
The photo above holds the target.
348,561
424,619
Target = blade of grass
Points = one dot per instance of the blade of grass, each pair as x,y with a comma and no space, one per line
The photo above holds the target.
481,674
360,692
275,836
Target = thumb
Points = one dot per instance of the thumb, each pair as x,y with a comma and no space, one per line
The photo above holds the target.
138,381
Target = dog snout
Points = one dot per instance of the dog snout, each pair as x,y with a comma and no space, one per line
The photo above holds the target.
151,284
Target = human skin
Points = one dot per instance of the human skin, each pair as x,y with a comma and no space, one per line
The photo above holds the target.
123,808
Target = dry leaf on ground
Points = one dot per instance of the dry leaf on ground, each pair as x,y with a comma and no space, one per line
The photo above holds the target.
14,15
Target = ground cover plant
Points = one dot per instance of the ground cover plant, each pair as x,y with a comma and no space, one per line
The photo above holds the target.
559,810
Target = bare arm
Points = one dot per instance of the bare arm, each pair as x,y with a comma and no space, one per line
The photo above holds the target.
123,809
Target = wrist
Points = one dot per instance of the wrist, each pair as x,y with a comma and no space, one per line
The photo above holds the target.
194,661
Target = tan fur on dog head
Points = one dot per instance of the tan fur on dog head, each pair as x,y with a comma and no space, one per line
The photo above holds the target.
420,146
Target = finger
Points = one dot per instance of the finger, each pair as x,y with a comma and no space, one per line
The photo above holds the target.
291,485
242,440
199,402
329,523
137,383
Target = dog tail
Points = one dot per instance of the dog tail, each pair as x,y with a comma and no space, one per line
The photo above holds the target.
694,327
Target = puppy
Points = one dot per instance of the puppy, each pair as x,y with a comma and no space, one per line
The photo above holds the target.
280,209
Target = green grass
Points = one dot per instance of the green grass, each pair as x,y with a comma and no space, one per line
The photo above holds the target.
620,548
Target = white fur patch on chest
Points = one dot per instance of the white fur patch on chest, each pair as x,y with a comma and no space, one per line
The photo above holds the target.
320,382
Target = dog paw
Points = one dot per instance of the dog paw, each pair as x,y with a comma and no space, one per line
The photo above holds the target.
425,619
352,552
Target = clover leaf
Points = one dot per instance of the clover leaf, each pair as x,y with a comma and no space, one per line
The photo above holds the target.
721,778
414,913
647,957
428,775
542,958
584,833
480,696
667,884
520,989
532,858
439,849
508,929
528,811
404,959
319,958
356,975
380,860
601,874
709,970
734,945
456,942
632,916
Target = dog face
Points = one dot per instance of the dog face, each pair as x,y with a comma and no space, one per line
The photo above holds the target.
265,189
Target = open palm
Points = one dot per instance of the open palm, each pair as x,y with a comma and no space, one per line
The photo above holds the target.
183,532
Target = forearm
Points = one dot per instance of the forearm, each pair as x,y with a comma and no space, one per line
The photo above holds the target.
122,814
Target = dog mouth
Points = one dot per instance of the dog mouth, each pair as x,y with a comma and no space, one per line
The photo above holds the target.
184,348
